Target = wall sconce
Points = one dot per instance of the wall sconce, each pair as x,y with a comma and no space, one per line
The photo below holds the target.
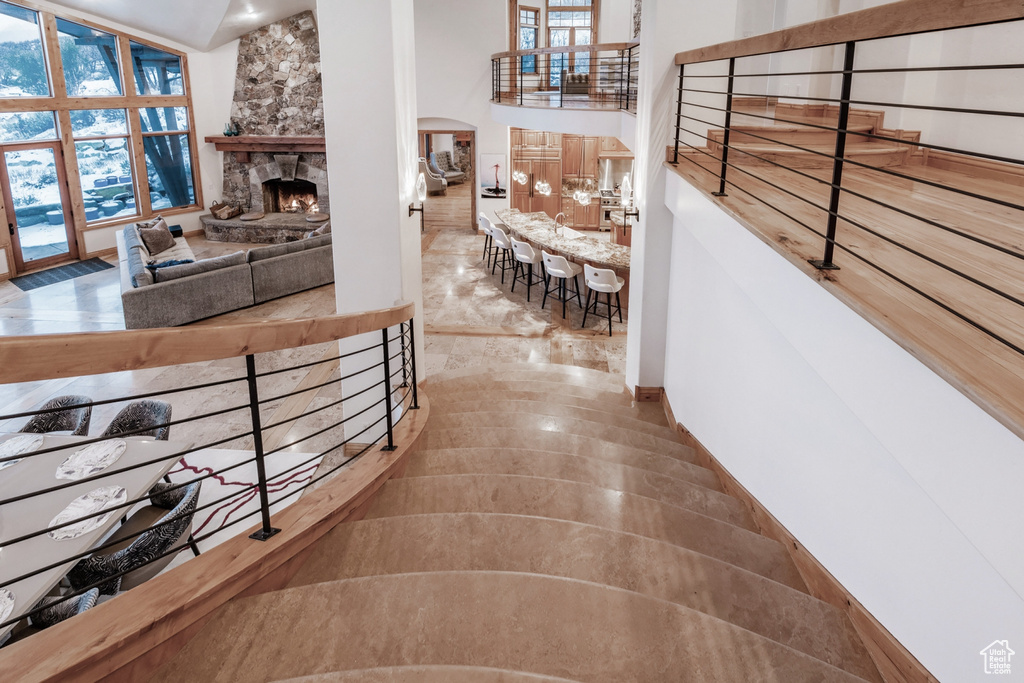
627,200
421,193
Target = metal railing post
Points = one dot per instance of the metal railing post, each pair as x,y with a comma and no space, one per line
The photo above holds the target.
520,64
837,164
387,392
629,76
405,370
728,130
679,114
496,78
412,354
257,434
623,84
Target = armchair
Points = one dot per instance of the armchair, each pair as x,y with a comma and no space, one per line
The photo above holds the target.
436,184
443,161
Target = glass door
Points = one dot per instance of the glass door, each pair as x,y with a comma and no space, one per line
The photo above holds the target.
38,212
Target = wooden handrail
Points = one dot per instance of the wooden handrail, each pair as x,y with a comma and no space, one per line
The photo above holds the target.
895,19
53,356
600,47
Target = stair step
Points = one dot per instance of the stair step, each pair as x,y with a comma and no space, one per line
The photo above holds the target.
511,543
428,674
548,385
588,504
880,154
575,444
449,407
563,374
655,471
651,413
562,467
528,424
522,622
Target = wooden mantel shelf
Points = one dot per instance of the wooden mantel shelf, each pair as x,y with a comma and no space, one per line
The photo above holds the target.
242,145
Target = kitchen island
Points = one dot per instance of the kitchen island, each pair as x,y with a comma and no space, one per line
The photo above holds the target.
539,230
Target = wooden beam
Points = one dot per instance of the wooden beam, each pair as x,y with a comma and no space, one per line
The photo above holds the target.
894,19
51,356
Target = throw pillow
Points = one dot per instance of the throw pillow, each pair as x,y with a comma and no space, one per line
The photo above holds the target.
157,239
166,264
150,223
323,229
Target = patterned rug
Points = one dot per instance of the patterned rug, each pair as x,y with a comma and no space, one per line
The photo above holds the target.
59,274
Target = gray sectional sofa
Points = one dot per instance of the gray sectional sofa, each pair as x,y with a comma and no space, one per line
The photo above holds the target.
189,292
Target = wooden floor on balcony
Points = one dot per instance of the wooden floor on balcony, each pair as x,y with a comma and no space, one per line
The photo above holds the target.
987,370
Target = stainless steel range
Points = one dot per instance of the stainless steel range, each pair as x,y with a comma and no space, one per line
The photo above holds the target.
609,202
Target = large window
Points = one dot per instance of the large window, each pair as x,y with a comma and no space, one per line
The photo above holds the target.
104,163
89,58
22,60
529,25
570,22
129,157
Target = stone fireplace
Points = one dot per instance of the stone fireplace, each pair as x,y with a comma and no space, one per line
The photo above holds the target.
279,98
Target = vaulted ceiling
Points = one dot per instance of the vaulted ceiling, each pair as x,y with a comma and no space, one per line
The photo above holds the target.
199,24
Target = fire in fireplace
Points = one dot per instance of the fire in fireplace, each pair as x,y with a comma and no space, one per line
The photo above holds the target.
289,196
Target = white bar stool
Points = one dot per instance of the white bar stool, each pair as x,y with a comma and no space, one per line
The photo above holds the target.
502,248
526,258
602,280
557,267
485,225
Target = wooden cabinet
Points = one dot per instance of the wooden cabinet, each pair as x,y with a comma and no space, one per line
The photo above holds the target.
580,156
587,217
572,155
569,209
611,146
526,198
589,166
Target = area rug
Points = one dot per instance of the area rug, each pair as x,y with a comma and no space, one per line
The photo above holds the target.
59,274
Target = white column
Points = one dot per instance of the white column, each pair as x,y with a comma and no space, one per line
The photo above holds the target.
368,55
669,26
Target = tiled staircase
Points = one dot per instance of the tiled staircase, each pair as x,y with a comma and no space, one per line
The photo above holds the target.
548,530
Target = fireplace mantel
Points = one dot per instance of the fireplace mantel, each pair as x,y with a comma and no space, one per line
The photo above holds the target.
242,145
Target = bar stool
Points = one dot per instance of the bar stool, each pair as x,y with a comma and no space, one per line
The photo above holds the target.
485,225
602,280
502,247
526,258
557,267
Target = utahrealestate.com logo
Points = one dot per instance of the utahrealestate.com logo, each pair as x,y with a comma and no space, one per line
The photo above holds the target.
997,657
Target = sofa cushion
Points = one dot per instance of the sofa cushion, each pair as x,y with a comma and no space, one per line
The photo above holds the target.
275,250
137,271
157,238
204,266
133,241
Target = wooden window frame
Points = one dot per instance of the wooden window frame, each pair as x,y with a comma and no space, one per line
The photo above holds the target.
130,101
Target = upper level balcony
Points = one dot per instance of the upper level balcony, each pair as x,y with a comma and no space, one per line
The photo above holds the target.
581,88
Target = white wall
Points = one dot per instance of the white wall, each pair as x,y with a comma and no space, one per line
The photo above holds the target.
905,490
453,83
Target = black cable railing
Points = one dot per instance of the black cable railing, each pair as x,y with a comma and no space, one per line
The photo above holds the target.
308,438
865,192
580,77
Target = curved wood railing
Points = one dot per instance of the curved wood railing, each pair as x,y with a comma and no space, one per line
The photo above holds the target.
52,356
128,637
601,76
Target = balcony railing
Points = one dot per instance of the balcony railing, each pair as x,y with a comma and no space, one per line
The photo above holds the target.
603,76
894,172
225,427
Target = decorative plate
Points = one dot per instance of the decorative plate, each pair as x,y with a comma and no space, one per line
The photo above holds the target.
94,458
98,499
252,216
19,445
316,217
6,603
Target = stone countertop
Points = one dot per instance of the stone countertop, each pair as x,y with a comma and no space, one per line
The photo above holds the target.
539,229
616,218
